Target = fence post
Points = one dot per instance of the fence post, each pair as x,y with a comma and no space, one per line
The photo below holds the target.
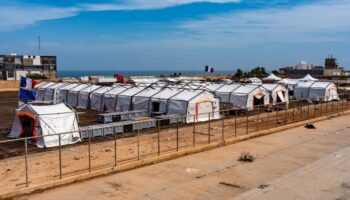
26,160
158,137
247,120
222,129
60,155
236,123
177,133
314,110
138,143
338,107
258,118
209,128
308,110
277,114
301,110
285,113
293,113
89,150
267,119
194,130
115,147
326,108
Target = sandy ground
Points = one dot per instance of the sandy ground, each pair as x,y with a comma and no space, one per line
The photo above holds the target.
217,174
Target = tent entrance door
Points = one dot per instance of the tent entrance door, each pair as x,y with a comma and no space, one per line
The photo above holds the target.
203,109
28,125
155,106
258,100
280,97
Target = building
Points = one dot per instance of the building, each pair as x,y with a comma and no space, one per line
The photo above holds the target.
13,66
301,70
330,69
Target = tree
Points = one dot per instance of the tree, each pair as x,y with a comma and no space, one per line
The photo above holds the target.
239,73
258,71
275,72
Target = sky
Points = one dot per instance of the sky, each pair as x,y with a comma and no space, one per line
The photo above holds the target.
177,34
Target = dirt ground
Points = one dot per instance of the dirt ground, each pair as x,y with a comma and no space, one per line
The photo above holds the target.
307,156
75,158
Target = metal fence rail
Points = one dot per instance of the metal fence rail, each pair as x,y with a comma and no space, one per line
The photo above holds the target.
27,166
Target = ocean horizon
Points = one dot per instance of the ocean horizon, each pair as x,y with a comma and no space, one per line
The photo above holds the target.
128,73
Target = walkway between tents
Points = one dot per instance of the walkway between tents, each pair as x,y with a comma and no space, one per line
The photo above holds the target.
217,174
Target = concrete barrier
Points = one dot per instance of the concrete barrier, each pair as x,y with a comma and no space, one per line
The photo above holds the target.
160,158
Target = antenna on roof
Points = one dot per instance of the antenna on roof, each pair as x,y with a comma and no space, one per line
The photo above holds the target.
39,45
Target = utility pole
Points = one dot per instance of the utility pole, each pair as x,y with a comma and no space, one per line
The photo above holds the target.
39,45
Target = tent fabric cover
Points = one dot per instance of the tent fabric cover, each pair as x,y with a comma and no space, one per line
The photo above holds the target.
50,119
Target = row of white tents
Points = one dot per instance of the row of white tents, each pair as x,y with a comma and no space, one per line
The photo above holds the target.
179,100
161,98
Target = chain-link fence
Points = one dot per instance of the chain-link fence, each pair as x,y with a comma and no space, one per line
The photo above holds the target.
23,164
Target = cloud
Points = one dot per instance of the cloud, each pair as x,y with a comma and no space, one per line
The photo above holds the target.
146,4
317,22
15,17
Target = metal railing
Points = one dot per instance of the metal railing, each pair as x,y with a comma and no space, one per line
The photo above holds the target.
27,165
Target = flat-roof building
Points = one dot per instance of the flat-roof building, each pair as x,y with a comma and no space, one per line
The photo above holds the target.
13,66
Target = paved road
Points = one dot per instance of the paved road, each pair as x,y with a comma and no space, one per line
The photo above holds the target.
298,155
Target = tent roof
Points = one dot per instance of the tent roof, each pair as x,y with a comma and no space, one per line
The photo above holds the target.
148,92
304,84
321,84
269,87
272,77
118,90
132,91
167,93
186,95
246,89
212,87
57,85
90,88
69,86
79,88
44,86
49,109
102,90
228,88
40,84
308,77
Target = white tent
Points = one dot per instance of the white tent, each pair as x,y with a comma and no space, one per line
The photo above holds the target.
63,92
96,98
109,99
323,91
252,80
309,78
84,96
212,87
40,91
141,101
301,90
73,94
196,104
225,91
284,81
278,93
292,83
46,120
124,99
51,92
248,96
272,77
40,84
159,101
